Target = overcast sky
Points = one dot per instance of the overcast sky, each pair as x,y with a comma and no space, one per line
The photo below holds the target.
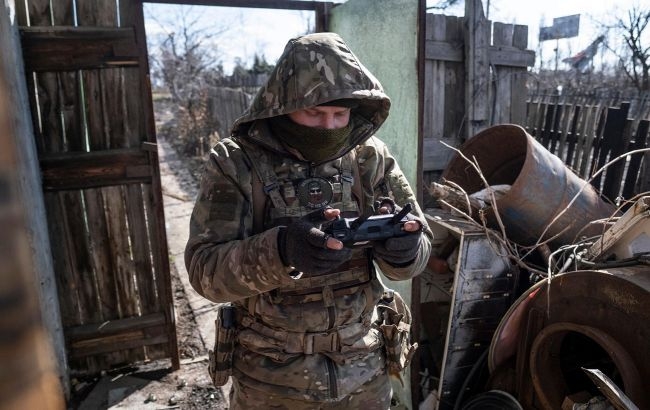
266,31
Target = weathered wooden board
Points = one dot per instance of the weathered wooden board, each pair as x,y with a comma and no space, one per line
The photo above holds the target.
633,176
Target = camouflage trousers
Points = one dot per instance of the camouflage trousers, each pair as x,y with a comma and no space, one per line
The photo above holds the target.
374,395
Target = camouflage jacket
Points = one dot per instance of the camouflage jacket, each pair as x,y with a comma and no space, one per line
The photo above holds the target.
229,259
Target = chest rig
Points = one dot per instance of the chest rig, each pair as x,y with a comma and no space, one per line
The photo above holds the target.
286,190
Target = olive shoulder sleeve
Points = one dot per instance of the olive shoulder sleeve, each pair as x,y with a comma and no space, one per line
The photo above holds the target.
225,261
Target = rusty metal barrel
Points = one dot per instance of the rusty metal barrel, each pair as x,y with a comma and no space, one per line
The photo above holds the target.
541,187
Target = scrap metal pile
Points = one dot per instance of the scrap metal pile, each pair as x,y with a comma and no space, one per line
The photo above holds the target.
538,292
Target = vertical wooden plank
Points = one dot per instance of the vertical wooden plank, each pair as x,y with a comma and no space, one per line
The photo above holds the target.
50,136
533,114
140,239
541,118
547,127
137,104
563,129
115,214
101,256
429,101
613,179
102,113
65,281
72,111
571,135
69,107
598,135
22,13
581,127
160,274
81,276
123,273
76,243
502,37
556,131
518,78
39,13
612,145
48,132
143,125
477,68
598,148
597,115
454,111
136,122
528,119
435,99
633,176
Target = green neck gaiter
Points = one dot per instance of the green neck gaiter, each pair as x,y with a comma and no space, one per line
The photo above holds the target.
315,144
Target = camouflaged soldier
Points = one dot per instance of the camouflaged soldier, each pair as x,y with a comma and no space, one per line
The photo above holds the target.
302,328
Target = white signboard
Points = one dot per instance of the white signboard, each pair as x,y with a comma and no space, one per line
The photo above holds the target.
563,27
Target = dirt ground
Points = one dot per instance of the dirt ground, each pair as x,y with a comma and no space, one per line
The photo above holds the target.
154,385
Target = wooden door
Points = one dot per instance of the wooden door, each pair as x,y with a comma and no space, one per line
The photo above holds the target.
87,74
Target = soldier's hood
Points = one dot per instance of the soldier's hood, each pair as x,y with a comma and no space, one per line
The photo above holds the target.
313,70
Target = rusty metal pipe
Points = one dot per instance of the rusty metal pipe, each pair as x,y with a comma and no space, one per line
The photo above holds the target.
541,187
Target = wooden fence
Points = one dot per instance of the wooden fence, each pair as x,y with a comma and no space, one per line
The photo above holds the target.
587,137
226,105
474,76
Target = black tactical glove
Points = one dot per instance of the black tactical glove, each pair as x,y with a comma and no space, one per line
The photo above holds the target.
303,245
398,251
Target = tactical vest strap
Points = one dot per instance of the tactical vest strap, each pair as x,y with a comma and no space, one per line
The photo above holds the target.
347,179
264,171
356,181
311,342
259,204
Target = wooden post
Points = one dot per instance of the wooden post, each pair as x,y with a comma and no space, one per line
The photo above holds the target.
477,68
29,376
17,130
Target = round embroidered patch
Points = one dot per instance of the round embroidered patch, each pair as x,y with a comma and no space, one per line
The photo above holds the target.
315,193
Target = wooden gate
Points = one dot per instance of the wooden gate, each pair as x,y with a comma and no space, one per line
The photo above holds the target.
87,75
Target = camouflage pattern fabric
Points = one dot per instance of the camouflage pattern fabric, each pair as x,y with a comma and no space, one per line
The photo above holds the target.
373,395
229,261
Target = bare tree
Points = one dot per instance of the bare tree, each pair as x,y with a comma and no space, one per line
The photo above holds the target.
636,61
443,4
185,59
